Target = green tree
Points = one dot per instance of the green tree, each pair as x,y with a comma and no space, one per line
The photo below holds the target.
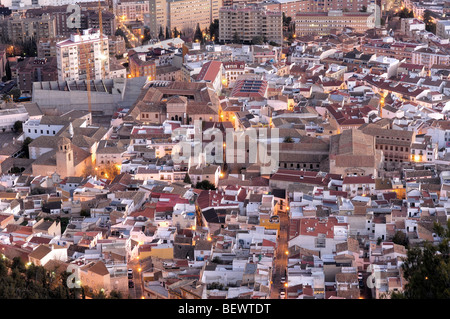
168,33
115,295
176,33
198,34
430,26
206,185
187,179
8,72
363,9
258,40
16,93
25,150
214,30
400,238
236,38
427,269
288,139
161,33
18,126
119,32
405,13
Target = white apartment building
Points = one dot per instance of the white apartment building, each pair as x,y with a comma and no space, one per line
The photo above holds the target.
443,29
80,51
9,116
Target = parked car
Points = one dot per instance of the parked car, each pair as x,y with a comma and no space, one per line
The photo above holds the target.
130,284
360,276
130,273
282,295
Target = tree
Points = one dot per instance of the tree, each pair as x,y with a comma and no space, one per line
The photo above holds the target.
198,35
18,126
214,30
430,26
286,21
176,33
187,179
89,170
405,13
288,139
206,185
236,38
25,150
400,238
109,171
168,33
363,9
427,269
258,40
119,32
147,35
8,72
115,295
16,93
161,33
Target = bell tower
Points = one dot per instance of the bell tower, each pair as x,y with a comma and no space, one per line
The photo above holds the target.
64,158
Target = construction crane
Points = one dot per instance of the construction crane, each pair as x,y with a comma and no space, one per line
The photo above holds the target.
103,57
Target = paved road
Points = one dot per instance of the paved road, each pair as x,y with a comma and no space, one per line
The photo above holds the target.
137,291
280,262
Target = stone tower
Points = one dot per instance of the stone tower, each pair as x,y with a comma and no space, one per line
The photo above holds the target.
64,158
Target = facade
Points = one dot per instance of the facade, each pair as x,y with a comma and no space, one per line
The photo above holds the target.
142,65
89,18
8,116
430,56
157,17
353,153
395,144
21,29
180,14
245,22
132,10
324,23
76,53
443,29
35,70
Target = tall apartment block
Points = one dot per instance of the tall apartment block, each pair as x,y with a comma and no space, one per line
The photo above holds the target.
291,7
333,21
80,50
89,19
181,14
249,21
20,29
130,10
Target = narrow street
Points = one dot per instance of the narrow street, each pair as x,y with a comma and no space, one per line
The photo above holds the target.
137,291
280,262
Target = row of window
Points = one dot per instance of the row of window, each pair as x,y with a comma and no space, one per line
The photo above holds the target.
42,131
